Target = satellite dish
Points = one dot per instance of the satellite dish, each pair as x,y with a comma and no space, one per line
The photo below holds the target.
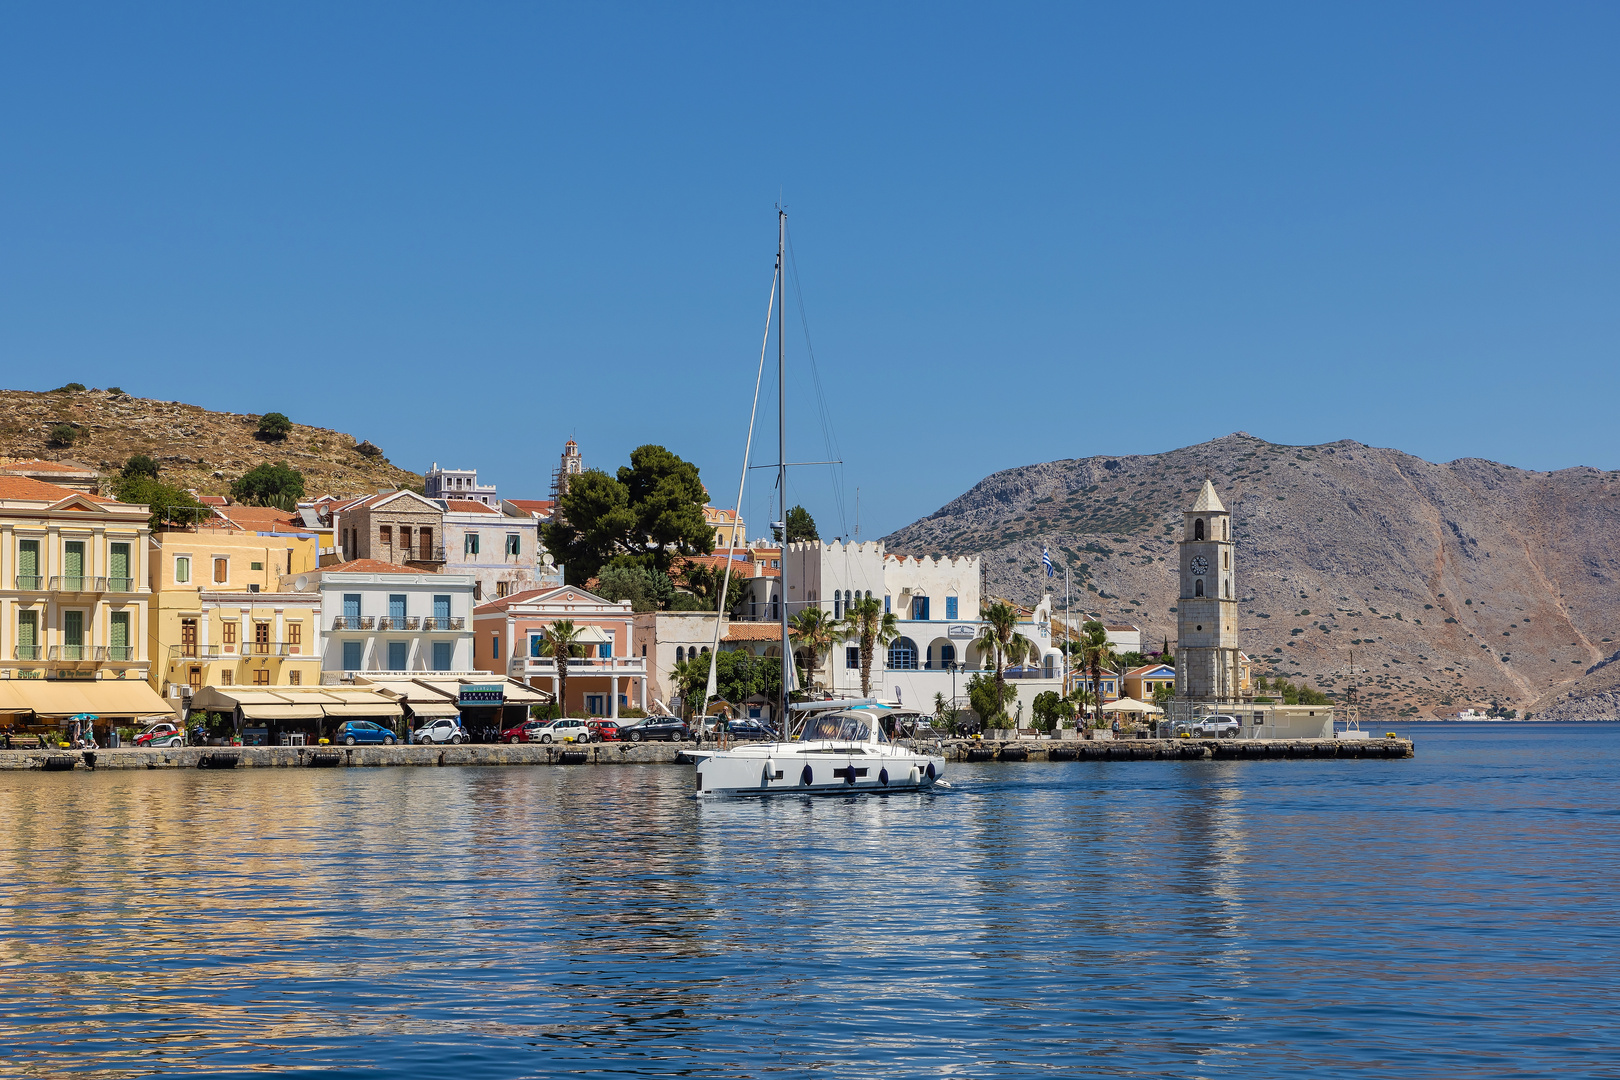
301,583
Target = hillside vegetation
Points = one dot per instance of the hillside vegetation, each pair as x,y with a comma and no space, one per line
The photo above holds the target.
194,447
1450,584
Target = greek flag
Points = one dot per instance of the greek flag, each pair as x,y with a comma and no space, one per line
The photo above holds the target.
1046,560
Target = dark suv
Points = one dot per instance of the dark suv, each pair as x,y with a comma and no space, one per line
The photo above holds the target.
667,728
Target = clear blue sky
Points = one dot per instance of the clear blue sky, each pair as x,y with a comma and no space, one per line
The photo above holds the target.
466,232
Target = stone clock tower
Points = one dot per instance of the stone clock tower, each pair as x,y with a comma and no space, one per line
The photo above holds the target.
1206,613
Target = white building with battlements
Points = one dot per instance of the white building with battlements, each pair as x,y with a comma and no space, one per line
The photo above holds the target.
936,602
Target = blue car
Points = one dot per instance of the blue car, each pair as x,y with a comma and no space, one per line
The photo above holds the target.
364,731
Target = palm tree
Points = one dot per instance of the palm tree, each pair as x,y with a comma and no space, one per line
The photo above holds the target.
691,678
815,630
1099,653
1000,639
866,621
561,642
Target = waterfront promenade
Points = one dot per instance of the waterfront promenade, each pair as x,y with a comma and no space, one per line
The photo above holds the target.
481,754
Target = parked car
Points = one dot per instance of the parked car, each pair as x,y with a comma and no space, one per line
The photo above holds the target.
747,730
161,734
528,731
667,728
604,730
363,731
1218,726
568,729
442,731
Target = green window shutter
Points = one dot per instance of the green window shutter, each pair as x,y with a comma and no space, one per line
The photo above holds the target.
118,637
28,629
27,563
73,559
73,629
118,566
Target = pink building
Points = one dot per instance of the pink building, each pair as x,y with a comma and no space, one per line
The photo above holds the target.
506,641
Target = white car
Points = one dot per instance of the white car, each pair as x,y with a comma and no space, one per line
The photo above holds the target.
442,731
1218,726
564,730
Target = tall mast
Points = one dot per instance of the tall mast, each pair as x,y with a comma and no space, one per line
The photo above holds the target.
781,460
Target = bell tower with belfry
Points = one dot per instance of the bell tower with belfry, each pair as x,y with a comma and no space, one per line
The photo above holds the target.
1206,613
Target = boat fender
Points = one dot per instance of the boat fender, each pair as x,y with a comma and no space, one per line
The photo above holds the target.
914,775
807,777
770,771
930,772
883,777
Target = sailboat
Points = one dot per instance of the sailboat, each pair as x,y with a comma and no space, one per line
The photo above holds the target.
841,746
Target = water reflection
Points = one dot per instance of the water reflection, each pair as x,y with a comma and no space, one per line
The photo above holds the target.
1446,916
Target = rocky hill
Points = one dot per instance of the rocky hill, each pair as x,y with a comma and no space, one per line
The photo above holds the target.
1451,584
195,448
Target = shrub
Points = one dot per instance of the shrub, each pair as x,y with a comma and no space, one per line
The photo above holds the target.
70,388
141,465
63,434
274,426
277,485
169,505
115,390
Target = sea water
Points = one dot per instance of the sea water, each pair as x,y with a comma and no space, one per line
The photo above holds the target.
1452,915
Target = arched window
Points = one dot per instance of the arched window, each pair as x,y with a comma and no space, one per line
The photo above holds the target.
1226,560
1198,587
1048,667
838,604
680,653
1198,529
902,654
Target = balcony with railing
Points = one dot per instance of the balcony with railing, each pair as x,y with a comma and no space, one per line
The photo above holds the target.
28,652
74,654
78,583
30,583
354,622
419,554
120,584
249,650
546,667
403,622
434,624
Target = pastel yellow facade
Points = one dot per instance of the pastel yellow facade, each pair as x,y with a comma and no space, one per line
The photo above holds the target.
217,619
73,593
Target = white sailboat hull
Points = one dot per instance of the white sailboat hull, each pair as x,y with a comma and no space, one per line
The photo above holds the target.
816,768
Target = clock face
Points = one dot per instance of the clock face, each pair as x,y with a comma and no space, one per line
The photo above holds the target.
1200,565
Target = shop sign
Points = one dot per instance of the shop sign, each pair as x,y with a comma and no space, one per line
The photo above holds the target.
482,694
964,631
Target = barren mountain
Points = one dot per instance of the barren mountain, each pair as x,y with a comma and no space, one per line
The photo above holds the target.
195,448
1451,585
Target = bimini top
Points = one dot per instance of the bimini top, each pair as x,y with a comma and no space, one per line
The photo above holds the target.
859,727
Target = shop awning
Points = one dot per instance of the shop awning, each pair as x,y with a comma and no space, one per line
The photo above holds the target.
282,712
380,707
593,635
104,698
433,709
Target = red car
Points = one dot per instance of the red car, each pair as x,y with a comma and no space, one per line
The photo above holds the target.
603,730
528,731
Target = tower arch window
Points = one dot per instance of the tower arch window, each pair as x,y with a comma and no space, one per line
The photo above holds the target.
1226,586
1226,529
1198,587
1226,560
1198,529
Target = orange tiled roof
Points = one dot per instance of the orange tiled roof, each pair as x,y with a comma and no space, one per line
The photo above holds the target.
368,566
467,506
259,518
761,631
1145,668
534,506
31,490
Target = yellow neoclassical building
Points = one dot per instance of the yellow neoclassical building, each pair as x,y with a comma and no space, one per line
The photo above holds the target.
74,607
217,619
